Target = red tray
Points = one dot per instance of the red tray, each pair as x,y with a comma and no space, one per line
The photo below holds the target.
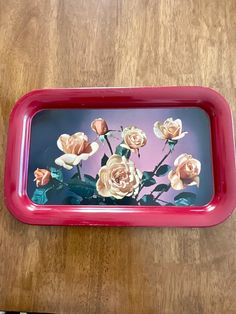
121,157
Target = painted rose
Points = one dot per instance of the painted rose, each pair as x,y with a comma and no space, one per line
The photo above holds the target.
118,178
186,172
42,177
76,148
169,130
133,138
99,126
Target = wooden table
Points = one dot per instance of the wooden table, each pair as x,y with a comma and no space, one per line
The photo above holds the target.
72,43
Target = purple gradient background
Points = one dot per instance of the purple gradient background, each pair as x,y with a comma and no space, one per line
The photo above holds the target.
48,125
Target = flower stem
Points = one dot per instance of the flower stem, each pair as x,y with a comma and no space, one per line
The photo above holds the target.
155,169
163,159
78,172
140,188
108,143
61,182
160,193
49,189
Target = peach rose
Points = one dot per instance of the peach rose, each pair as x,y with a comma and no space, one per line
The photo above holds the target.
99,126
169,130
42,177
186,172
76,148
118,178
134,138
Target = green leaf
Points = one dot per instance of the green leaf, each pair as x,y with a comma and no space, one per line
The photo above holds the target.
172,144
104,160
109,201
59,186
147,175
185,199
162,187
73,200
82,188
75,175
90,201
169,204
90,180
56,174
182,202
149,182
147,178
39,196
164,169
126,201
148,199
122,151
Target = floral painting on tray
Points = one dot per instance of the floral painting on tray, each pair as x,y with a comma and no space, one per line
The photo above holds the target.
147,157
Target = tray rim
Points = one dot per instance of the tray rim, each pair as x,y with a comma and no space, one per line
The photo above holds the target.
216,211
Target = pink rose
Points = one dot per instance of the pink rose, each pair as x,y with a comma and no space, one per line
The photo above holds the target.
169,130
42,177
76,148
134,138
186,172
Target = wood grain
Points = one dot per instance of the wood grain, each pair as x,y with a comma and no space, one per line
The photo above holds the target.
73,43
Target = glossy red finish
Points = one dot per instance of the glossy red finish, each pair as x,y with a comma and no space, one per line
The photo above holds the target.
16,170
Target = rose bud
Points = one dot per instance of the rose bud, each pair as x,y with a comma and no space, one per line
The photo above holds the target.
99,126
42,177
